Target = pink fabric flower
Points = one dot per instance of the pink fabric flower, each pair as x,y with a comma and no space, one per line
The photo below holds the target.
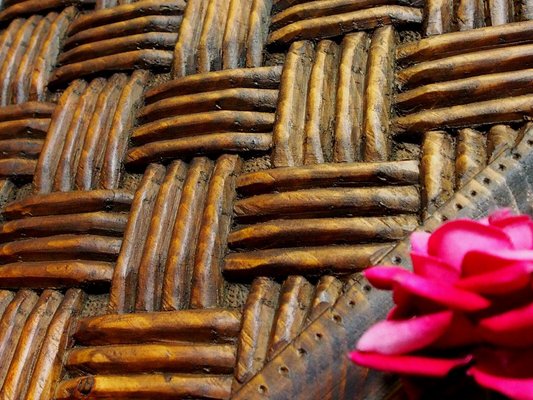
470,296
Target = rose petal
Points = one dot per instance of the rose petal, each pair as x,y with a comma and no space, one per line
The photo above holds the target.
509,372
409,365
513,328
478,262
454,239
383,277
518,389
440,293
399,337
431,267
419,242
501,281
502,214
460,332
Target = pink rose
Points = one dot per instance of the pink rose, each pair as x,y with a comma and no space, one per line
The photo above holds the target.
470,295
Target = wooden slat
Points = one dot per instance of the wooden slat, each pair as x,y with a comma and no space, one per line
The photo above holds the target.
203,325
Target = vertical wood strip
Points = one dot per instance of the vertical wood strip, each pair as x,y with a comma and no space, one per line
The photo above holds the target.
57,131
288,133
294,304
439,17
210,44
50,361
75,136
31,339
320,107
188,38
236,33
258,32
378,93
471,156
117,142
124,280
207,279
437,170
350,98
257,320
156,247
178,268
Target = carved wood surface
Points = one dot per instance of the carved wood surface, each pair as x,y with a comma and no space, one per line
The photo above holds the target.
189,189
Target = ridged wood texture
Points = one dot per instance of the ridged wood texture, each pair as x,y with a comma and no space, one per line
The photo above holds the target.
189,189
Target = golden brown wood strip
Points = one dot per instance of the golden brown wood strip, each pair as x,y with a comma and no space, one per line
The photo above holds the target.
23,148
234,51
328,202
470,14
328,175
46,59
461,91
210,45
106,47
288,130
257,320
321,231
117,142
5,299
21,82
437,170
31,7
378,93
485,112
188,38
75,136
316,9
294,304
204,325
24,128
108,223
17,167
154,254
8,37
61,119
471,156
499,138
305,260
203,123
31,339
439,17
13,57
61,247
350,98
11,326
149,23
260,78
138,59
56,274
168,357
320,104
124,285
334,25
241,99
258,26
327,291
28,110
466,65
207,281
441,46
92,153
49,364
501,12
126,12
205,144
178,268
70,203
161,386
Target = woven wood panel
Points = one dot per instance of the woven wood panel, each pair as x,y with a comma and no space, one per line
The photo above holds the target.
190,188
